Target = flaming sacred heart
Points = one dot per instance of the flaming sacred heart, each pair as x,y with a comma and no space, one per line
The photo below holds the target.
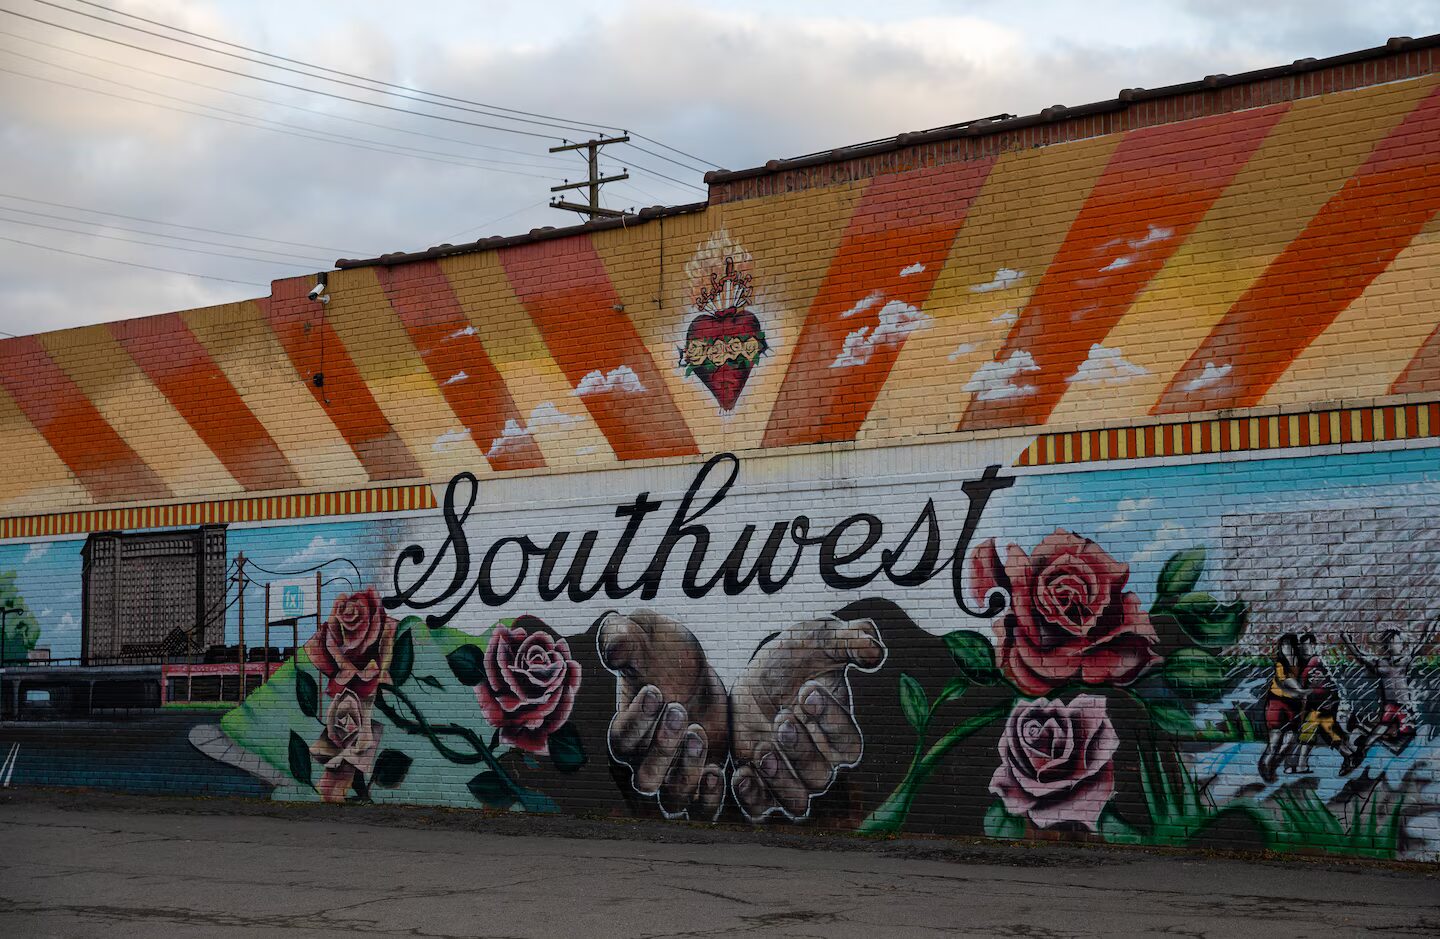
721,348
724,340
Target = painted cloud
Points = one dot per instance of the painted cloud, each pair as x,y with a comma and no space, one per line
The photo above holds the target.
1209,375
543,416
622,378
1106,365
1004,277
451,438
995,381
897,320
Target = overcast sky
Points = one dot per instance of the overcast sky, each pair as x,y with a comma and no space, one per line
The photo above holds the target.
734,83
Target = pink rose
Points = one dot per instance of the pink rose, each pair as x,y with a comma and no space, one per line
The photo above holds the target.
530,684
1056,761
347,746
353,646
1069,617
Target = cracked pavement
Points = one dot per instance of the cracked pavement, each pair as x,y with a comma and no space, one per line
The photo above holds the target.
90,864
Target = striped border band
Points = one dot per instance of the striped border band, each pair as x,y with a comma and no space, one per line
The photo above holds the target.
262,508
1233,435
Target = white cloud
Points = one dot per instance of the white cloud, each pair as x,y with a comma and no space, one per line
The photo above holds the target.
913,269
1106,365
36,552
1115,265
319,548
862,305
622,378
546,414
451,439
543,417
1209,375
1153,233
1008,317
467,331
897,320
1126,511
962,350
585,451
1004,277
511,435
458,376
995,381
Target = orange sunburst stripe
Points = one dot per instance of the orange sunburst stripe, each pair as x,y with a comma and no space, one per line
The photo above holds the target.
102,461
1347,245
880,277
1158,185
314,348
174,360
422,297
1423,372
565,288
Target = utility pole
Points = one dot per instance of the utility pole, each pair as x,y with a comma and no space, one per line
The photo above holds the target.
592,148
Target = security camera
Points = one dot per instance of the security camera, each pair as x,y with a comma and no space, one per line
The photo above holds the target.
318,292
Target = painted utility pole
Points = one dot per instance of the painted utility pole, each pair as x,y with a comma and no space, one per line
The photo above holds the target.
593,184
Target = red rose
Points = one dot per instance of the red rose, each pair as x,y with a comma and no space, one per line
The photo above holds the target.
1056,761
347,747
1069,616
530,684
352,648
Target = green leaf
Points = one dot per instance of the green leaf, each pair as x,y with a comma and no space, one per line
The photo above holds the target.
390,769
1206,621
402,659
914,703
1115,830
468,664
299,758
974,655
1181,573
307,693
430,680
953,689
489,788
1196,673
566,750
1001,824
1172,719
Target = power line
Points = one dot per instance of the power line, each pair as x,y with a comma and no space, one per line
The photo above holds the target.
151,221
493,221
155,234
147,267
337,81
377,81
338,139
153,244
666,146
662,156
273,81
477,161
270,101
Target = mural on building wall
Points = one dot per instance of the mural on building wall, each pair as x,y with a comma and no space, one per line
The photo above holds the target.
725,339
1079,654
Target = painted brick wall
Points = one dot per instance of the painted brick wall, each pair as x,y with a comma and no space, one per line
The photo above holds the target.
1082,489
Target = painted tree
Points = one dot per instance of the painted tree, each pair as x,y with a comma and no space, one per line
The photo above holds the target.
22,630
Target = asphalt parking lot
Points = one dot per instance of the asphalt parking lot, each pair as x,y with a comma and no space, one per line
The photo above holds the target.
79,864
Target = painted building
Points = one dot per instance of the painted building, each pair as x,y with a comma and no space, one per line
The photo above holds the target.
1064,476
